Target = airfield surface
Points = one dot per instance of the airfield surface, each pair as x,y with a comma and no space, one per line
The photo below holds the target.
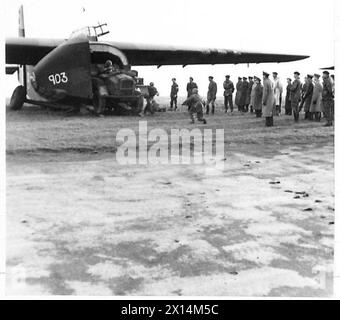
79,223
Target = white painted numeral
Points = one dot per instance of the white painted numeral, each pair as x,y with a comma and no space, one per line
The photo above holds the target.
58,78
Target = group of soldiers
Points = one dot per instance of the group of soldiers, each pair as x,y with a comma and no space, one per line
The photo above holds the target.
265,99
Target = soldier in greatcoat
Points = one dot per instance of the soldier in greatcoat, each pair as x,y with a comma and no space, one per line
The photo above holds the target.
328,98
307,95
257,101
248,97
315,107
288,100
238,93
267,100
296,95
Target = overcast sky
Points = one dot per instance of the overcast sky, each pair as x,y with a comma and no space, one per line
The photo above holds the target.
290,26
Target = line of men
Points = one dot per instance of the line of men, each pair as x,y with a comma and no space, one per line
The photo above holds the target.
266,99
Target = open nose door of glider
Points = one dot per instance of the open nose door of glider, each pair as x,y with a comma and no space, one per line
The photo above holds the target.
65,71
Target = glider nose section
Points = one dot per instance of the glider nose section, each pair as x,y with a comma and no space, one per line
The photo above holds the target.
65,71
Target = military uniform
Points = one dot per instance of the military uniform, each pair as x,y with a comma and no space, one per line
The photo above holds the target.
277,87
328,101
252,96
257,103
211,96
296,97
315,107
268,102
248,97
190,86
152,91
228,95
243,98
195,104
288,102
307,98
238,94
173,95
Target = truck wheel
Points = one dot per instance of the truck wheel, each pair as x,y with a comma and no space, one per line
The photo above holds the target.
138,105
18,98
98,103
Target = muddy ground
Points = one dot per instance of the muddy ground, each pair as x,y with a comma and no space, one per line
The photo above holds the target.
79,223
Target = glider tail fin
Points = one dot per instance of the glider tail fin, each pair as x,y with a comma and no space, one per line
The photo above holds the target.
22,74
21,22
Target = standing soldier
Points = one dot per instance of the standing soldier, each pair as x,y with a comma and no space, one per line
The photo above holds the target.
238,93
296,95
288,102
303,90
308,94
228,94
211,96
248,98
278,89
195,104
252,94
173,94
191,85
328,99
244,90
258,93
315,107
267,100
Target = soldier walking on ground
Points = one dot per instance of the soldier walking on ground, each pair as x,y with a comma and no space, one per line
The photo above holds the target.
328,98
228,94
152,92
173,94
296,95
211,96
195,104
288,102
190,86
268,100
315,107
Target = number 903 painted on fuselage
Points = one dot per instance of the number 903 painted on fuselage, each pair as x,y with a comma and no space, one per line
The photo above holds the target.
58,78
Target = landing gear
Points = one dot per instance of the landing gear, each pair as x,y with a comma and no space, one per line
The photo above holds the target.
18,98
